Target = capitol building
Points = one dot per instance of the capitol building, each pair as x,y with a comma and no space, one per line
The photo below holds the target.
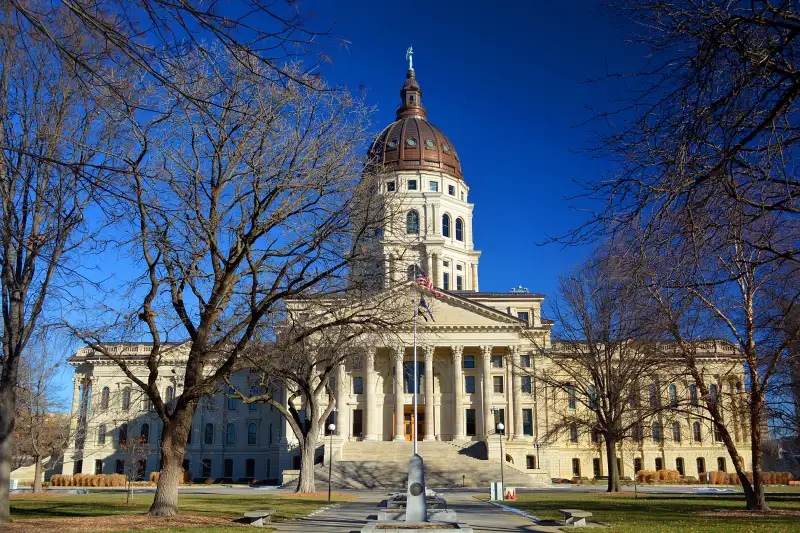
479,362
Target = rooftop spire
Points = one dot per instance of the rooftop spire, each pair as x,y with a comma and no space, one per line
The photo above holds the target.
410,94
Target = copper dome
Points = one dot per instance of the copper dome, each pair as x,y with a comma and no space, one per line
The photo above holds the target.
411,142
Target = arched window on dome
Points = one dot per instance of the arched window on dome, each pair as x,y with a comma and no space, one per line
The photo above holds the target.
445,225
459,230
412,223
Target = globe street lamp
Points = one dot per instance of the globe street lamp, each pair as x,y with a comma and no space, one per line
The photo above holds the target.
331,429
500,428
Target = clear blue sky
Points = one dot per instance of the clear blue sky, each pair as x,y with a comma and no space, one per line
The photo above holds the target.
506,82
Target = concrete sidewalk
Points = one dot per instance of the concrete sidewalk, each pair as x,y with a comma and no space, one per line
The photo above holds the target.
350,517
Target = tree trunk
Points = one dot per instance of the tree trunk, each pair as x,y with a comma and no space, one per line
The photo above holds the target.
305,483
37,475
757,501
173,446
613,468
7,399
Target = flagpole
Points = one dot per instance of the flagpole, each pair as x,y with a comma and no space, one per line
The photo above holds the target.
416,376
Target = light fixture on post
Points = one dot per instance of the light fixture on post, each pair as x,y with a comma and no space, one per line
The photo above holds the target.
537,444
500,428
331,429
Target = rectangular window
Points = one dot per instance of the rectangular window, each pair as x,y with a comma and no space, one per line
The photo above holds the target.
120,466
358,423
571,395
525,361
499,418
408,378
250,468
497,361
459,283
701,466
469,384
205,468
469,361
390,186
679,465
526,384
530,462
358,385
470,414
576,467
446,281
434,186
451,190
498,384
523,315
596,467
459,268
228,468
412,185
98,466
637,465
527,422
659,463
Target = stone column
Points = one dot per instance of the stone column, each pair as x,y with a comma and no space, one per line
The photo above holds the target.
458,394
439,271
341,402
429,273
475,277
486,352
398,354
508,389
430,407
369,394
519,433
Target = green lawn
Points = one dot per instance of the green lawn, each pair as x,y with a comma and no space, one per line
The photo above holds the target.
104,504
661,513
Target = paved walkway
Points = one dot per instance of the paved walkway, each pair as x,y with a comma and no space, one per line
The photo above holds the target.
350,517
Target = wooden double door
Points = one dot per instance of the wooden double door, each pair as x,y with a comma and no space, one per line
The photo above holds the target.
408,422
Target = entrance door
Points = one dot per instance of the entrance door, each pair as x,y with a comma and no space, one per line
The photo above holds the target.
408,422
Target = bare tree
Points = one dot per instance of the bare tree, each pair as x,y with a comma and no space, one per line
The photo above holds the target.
714,113
712,277
47,116
601,361
41,431
297,373
245,195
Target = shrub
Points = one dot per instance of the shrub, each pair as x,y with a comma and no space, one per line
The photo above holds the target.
646,476
577,481
187,477
208,481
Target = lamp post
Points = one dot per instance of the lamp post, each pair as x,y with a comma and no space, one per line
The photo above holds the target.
500,428
331,429
536,443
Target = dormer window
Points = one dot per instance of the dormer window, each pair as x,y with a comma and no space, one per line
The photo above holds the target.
411,142
393,144
430,144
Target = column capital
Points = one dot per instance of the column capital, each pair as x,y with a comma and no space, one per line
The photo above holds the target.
513,350
428,352
457,351
398,352
486,351
369,355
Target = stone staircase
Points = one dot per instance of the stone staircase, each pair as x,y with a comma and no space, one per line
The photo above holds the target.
384,465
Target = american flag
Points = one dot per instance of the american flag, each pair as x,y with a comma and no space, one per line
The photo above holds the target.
425,281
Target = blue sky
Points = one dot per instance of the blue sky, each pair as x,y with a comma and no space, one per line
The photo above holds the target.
506,82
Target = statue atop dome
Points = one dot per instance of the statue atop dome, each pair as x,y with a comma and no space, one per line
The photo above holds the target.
410,57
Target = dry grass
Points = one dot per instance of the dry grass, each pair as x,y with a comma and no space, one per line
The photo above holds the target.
133,522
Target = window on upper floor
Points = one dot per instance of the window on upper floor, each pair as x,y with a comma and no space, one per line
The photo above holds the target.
126,399
469,361
445,225
230,434
469,384
526,384
145,433
358,385
412,223
673,396
459,230
412,185
459,283
104,398
434,186
446,281
523,315
208,434
693,396
390,186
525,361
571,395
451,190
497,382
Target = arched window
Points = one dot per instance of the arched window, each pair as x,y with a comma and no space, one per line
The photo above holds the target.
653,396
104,398
101,434
459,230
252,433
676,431
126,399
208,436
697,432
145,433
673,396
230,434
657,436
412,223
571,395
232,401
714,394
693,396
445,225
592,397
170,393
254,391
